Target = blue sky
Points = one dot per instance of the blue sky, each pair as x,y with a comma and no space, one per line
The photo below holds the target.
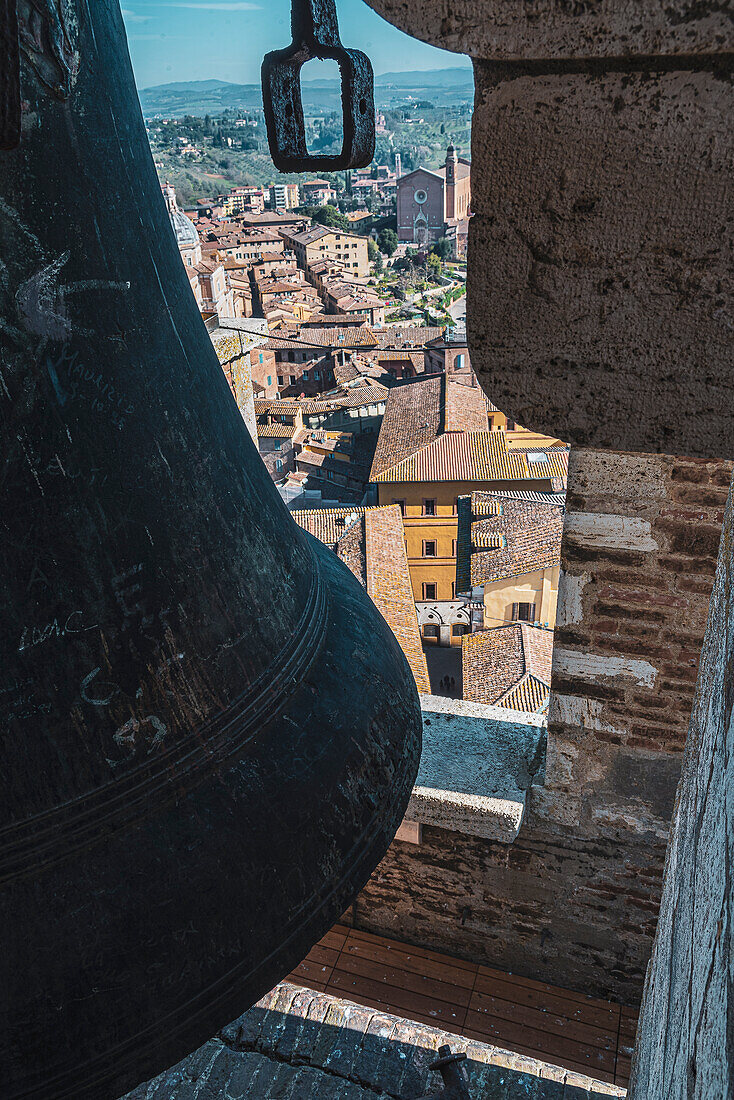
201,39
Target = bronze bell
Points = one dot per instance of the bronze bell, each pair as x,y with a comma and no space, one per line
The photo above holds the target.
210,735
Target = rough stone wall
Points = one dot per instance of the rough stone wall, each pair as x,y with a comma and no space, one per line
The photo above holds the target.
574,900
686,1034
640,540
554,905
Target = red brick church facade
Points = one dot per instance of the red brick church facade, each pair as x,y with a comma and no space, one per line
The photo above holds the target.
434,204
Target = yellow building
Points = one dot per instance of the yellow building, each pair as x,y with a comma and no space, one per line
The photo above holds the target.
319,242
434,447
508,556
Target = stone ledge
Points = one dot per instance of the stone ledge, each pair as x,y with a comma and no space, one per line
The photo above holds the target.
476,767
304,1045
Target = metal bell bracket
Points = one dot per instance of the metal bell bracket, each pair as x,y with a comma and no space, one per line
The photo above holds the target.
9,75
315,33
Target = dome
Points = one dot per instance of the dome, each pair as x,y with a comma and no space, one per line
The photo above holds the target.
185,230
183,227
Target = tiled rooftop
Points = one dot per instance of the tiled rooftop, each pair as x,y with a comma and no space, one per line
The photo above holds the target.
508,666
507,538
380,563
389,585
328,524
411,336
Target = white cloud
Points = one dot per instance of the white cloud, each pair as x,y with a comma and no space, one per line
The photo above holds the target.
132,17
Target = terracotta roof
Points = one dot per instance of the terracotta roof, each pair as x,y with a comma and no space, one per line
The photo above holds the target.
508,666
394,336
289,408
368,394
465,409
316,233
276,431
459,456
412,420
339,337
371,542
389,585
509,538
328,524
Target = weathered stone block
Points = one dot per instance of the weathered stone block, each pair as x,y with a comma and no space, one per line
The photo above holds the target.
549,29
599,303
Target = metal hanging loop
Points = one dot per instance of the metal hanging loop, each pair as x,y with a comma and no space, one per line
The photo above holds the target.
315,31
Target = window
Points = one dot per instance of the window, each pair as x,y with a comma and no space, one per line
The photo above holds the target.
429,507
317,375
281,380
261,357
458,629
305,375
429,548
278,465
430,631
453,590
291,357
401,504
270,380
523,612
453,548
293,379
536,456
456,506
429,590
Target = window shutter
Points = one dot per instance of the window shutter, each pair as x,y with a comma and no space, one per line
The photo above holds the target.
515,611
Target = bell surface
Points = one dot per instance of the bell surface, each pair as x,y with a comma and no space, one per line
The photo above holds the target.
209,733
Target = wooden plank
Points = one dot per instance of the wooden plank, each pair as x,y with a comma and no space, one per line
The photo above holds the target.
313,971
400,1001
404,979
509,990
518,1048
550,1047
628,1027
404,958
416,952
326,956
624,1068
544,1019
334,939
530,983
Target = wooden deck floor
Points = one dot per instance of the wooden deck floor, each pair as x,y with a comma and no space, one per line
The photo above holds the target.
552,1024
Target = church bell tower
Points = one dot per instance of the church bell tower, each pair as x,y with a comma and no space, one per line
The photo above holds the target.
452,161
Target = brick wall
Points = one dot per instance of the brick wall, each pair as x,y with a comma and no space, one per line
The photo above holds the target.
574,900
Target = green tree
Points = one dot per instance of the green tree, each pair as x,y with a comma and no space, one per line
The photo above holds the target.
434,265
442,248
388,241
331,217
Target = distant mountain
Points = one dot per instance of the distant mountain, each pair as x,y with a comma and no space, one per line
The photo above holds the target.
201,97
429,78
